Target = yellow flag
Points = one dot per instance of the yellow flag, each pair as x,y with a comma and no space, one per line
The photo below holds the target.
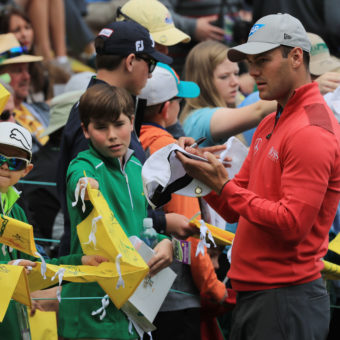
105,274
43,325
221,237
13,284
18,235
4,95
100,233
334,245
331,271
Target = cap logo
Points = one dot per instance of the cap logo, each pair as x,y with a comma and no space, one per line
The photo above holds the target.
255,28
18,135
198,190
139,45
168,19
106,32
287,36
319,48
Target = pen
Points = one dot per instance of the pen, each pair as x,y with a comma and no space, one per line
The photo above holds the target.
198,142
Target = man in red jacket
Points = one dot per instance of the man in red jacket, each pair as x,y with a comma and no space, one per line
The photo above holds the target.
286,194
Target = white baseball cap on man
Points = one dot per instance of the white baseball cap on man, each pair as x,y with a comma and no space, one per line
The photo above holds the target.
269,32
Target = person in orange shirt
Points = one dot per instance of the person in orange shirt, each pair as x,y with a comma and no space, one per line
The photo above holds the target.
163,93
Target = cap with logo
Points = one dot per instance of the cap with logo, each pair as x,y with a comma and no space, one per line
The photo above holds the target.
11,52
164,174
154,16
15,135
125,37
165,85
321,60
271,32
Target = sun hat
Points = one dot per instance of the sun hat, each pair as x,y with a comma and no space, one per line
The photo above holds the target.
11,52
270,32
155,17
165,85
125,37
15,135
321,60
164,174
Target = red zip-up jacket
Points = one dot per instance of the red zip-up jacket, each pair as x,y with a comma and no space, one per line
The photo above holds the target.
285,196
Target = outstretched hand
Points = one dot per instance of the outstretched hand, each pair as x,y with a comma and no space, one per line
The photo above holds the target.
93,260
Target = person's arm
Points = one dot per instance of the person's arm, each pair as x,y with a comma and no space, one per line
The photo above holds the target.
226,122
328,82
204,275
304,182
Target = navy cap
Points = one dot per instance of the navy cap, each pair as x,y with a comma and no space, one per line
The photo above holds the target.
125,37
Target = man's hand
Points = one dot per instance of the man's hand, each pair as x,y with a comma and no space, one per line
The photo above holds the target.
93,260
212,173
51,304
328,82
179,226
205,30
162,257
24,263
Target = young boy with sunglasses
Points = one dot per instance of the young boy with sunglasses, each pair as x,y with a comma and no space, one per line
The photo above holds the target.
15,163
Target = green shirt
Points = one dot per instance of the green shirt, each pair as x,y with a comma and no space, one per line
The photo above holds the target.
123,190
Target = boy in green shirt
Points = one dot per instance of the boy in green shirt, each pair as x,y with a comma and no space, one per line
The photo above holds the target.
15,163
106,114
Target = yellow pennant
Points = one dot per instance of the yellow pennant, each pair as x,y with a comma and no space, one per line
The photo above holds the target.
334,245
43,325
105,274
221,237
18,235
4,96
100,233
331,271
13,285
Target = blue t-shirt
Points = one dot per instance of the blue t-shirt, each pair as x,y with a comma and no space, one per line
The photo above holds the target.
197,125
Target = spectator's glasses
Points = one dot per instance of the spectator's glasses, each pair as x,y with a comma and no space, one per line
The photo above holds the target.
6,114
14,163
13,52
151,62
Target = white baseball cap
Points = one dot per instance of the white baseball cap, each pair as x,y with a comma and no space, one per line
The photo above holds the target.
15,135
165,85
270,32
164,174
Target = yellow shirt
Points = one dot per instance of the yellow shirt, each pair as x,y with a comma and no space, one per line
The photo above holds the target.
25,118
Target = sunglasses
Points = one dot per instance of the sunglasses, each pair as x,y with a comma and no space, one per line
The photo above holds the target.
14,163
13,52
6,114
151,62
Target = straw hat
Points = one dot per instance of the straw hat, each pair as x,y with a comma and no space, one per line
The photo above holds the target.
11,51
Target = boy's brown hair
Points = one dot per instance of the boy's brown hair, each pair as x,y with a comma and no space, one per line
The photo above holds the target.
103,102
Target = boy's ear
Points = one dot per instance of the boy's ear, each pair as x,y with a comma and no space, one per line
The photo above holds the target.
129,61
132,120
27,170
164,112
86,134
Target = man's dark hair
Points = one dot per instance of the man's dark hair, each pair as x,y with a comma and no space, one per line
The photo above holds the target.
285,50
104,103
108,62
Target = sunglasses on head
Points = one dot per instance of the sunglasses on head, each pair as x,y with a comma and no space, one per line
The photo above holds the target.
14,163
151,62
6,114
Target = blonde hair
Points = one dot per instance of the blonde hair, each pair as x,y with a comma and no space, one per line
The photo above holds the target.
200,65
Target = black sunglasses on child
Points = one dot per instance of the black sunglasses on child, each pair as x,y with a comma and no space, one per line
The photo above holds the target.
151,62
